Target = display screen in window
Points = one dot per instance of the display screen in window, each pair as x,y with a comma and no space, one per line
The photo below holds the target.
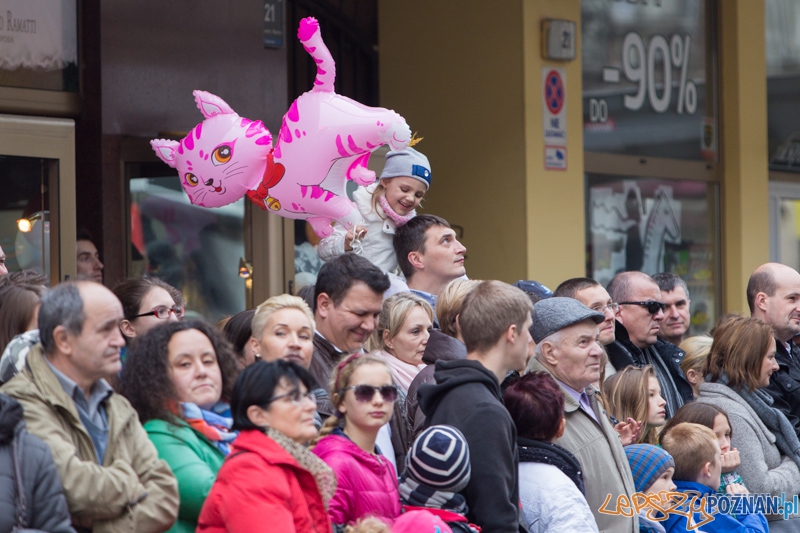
648,78
656,226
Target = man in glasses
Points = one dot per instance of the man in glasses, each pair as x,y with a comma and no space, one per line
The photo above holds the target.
675,294
495,320
112,476
639,319
773,295
348,298
568,348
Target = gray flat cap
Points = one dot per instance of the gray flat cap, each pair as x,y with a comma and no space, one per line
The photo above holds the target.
554,314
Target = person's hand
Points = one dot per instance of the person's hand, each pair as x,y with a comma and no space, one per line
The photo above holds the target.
628,432
730,460
358,231
736,488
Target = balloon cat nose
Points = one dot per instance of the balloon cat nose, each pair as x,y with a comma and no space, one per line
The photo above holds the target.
209,182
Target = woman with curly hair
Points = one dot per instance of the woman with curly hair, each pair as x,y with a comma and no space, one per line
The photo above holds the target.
177,377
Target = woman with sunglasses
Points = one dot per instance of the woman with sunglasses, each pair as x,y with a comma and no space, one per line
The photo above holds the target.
271,482
176,376
363,394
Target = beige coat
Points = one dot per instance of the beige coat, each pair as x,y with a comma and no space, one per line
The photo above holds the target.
133,491
604,463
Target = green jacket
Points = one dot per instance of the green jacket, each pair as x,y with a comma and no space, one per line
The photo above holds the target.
133,491
195,462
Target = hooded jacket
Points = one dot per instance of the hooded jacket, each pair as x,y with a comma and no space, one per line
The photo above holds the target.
132,491
46,507
262,488
367,483
467,396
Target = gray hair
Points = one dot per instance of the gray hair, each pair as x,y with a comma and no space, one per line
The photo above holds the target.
667,281
62,306
557,338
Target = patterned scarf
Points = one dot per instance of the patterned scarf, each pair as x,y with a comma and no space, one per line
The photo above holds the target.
212,426
416,495
323,474
400,220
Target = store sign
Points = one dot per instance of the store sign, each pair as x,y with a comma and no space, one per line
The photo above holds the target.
645,79
39,35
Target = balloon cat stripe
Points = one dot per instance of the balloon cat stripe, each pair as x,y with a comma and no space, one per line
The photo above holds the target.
325,139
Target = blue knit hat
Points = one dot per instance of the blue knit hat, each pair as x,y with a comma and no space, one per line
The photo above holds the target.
648,463
439,459
407,163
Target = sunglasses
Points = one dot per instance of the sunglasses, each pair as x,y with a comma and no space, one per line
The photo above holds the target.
295,397
163,312
365,393
653,307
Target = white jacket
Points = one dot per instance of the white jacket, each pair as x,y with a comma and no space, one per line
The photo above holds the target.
377,243
551,503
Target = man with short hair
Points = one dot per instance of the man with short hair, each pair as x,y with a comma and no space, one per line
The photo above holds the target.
675,294
773,295
429,255
494,322
89,265
567,347
3,267
639,319
591,294
113,479
348,298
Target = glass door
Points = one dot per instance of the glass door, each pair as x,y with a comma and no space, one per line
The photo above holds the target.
784,223
37,205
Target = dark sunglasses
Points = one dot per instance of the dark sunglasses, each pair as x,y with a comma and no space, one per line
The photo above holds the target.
653,307
365,393
163,312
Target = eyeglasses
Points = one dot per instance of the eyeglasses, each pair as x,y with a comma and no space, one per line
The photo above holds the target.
295,397
365,393
653,307
614,306
163,312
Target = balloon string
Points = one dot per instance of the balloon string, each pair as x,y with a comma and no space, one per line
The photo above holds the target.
357,244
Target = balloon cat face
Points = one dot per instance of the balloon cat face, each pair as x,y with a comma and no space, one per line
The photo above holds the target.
222,158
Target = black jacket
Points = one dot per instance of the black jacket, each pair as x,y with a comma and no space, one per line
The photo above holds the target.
784,385
323,361
46,507
467,396
623,352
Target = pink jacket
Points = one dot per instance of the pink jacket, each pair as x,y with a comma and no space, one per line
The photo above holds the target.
367,484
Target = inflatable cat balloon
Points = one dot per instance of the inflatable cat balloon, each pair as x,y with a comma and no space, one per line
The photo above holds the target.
325,139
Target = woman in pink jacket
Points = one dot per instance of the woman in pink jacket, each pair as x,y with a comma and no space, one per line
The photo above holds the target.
363,395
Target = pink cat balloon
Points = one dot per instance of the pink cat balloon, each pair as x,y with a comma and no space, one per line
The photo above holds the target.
325,139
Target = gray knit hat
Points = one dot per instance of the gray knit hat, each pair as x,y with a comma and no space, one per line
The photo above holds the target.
554,314
407,163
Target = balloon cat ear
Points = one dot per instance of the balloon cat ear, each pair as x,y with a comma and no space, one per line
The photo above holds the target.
211,105
165,149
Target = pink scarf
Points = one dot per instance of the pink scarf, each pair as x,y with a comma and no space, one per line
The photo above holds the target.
403,373
400,220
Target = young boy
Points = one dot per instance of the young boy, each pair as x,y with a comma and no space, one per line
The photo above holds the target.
652,470
698,465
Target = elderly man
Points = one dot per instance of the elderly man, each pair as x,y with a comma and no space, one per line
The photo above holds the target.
675,294
773,295
348,298
567,347
429,255
111,473
494,321
639,319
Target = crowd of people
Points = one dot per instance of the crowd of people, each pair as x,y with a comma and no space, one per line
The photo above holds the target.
397,395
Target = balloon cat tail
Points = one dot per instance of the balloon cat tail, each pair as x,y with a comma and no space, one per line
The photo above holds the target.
310,36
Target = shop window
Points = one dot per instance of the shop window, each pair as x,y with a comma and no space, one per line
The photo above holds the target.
783,83
195,249
655,225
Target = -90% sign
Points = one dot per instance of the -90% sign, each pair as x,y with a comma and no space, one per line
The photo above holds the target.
639,65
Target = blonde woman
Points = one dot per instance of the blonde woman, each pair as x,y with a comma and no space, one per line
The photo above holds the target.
697,349
634,393
283,328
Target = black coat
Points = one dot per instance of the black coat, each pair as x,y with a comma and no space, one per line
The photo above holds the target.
467,396
44,498
784,385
